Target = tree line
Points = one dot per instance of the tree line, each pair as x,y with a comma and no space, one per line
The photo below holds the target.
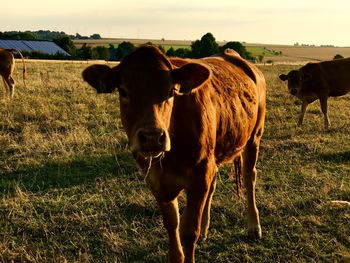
43,35
206,46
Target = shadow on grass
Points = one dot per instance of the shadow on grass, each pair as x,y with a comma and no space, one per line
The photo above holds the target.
131,211
339,157
57,175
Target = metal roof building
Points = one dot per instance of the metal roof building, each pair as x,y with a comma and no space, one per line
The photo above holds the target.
46,47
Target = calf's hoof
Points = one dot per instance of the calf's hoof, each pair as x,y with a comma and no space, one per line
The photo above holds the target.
176,257
255,233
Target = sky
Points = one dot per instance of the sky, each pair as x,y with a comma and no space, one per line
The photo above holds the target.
318,22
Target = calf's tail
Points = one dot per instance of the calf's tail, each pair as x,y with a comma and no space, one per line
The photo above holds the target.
238,172
24,65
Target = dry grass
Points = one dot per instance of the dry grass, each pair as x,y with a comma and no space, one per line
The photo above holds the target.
300,54
70,190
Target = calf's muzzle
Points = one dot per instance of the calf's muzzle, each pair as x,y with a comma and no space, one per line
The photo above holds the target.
152,141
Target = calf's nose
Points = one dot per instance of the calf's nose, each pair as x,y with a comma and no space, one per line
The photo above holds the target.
152,139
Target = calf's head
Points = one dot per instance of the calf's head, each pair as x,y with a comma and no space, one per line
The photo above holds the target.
296,80
147,83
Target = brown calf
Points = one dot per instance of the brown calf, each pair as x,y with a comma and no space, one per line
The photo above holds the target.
319,81
183,119
7,65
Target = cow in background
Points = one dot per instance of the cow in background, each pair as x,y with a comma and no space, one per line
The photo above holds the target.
319,81
7,65
183,119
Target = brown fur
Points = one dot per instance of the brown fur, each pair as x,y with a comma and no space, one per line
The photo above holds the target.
7,65
319,81
184,118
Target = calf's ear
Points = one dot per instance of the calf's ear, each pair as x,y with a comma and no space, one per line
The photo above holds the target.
283,77
101,77
190,76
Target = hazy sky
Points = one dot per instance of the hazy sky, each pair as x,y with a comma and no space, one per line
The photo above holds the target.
318,22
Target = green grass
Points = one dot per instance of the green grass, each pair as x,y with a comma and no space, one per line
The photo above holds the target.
257,51
71,192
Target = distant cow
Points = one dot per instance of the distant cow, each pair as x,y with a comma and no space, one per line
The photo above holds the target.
7,65
319,81
183,119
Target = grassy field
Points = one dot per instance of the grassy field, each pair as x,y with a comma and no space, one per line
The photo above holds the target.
71,192
300,54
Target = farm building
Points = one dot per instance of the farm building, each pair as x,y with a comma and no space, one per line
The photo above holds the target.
45,47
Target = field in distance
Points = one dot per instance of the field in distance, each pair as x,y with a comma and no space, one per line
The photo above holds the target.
272,53
295,54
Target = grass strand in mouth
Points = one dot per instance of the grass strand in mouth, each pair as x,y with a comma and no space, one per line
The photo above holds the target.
149,165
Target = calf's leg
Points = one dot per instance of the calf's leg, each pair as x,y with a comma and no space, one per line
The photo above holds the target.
171,220
250,156
10,83
197,193
6,87
206,212
324,109
302,113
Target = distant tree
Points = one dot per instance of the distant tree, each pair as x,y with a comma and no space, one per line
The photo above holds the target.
180,52
28,35
34,35
66,43
112,52
161,48
170,52
238,47
50,35
205,47
261,58
196,49
124,48
95,36
100,52
39,55
78,36
183,53
338,56
17,35
85,52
